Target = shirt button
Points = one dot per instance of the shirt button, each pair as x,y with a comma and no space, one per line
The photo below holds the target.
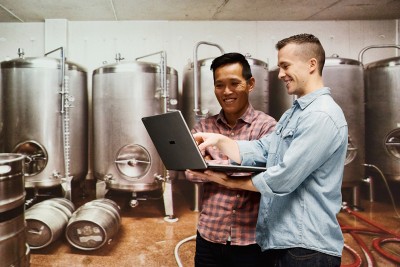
233,211
232,134
237,195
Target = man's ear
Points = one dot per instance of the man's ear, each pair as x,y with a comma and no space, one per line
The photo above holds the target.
252,83
313,63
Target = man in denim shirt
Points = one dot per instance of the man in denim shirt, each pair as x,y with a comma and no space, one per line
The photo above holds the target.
301,189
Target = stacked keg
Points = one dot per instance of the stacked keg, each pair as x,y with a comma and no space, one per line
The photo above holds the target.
13,248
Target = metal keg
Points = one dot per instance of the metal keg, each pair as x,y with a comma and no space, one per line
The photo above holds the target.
46,221
124,156
45,107
2,140
345,77
12,190
94,224
382,94
13,249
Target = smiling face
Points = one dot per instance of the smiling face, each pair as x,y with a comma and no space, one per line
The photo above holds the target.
232,90
295,69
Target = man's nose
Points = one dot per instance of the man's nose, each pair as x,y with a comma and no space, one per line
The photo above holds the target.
281,74
227,90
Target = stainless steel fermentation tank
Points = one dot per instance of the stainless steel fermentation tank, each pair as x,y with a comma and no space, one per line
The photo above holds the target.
278,98
198,99
382,87
207,103
45,107
345,78
124,156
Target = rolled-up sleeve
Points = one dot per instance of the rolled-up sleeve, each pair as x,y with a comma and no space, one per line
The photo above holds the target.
294,161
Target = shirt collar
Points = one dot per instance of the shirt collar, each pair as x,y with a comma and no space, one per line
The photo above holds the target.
247,116
306,100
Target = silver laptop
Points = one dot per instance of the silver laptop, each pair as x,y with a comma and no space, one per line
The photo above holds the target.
177,148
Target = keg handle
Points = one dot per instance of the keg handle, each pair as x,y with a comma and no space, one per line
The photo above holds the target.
36,231
196,81
5,169
360,55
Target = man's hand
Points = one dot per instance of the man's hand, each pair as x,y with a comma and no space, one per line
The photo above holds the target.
221,178
227,146
205,140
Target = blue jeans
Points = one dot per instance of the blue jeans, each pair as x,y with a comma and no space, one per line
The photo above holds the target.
301,257
210,254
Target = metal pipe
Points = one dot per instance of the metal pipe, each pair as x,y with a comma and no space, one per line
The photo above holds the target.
65,106
163,69
196,73
370,181
386,184
360,55
62,75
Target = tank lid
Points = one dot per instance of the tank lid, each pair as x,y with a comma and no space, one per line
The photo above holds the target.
39,62
334,61
252,62
388,62
132,66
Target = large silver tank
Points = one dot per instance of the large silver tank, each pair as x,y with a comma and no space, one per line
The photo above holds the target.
279,100
345,78
1,119
208,104
123,154
382,91
54,140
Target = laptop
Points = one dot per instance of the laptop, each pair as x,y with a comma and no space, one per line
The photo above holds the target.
177,148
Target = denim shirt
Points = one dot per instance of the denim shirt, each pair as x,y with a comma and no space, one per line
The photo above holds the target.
301,189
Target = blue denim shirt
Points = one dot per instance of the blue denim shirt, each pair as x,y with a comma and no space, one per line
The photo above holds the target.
301,189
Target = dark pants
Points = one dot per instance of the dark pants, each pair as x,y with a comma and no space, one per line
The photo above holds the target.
210,254
301,257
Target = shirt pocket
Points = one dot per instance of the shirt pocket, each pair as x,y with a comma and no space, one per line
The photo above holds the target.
275,136
287,137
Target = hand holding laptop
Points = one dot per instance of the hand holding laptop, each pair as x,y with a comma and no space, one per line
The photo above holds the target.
228,146
178,149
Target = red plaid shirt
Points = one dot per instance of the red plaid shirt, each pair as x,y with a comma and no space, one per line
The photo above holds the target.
228,214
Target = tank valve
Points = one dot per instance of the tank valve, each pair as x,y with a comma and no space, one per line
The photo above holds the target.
159,177
134,202
21,53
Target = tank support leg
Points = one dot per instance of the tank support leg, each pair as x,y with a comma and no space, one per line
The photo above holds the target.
101,190
168,202
356,197
66,187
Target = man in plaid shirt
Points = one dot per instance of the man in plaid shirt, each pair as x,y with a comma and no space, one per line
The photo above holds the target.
227,221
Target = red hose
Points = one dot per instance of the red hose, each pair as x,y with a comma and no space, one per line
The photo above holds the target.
356,256
367,252
371,223
377,245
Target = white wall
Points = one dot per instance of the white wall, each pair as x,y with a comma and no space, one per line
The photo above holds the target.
92,43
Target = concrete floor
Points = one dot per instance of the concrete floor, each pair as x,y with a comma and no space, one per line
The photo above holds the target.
146,239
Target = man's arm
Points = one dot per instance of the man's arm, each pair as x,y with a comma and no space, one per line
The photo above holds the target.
221,178
227,146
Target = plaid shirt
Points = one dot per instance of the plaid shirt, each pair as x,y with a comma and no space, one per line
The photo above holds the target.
231,214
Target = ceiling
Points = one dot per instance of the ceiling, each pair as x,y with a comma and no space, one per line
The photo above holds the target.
237,10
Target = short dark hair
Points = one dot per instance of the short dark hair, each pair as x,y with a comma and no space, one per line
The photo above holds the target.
312,47
230,58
